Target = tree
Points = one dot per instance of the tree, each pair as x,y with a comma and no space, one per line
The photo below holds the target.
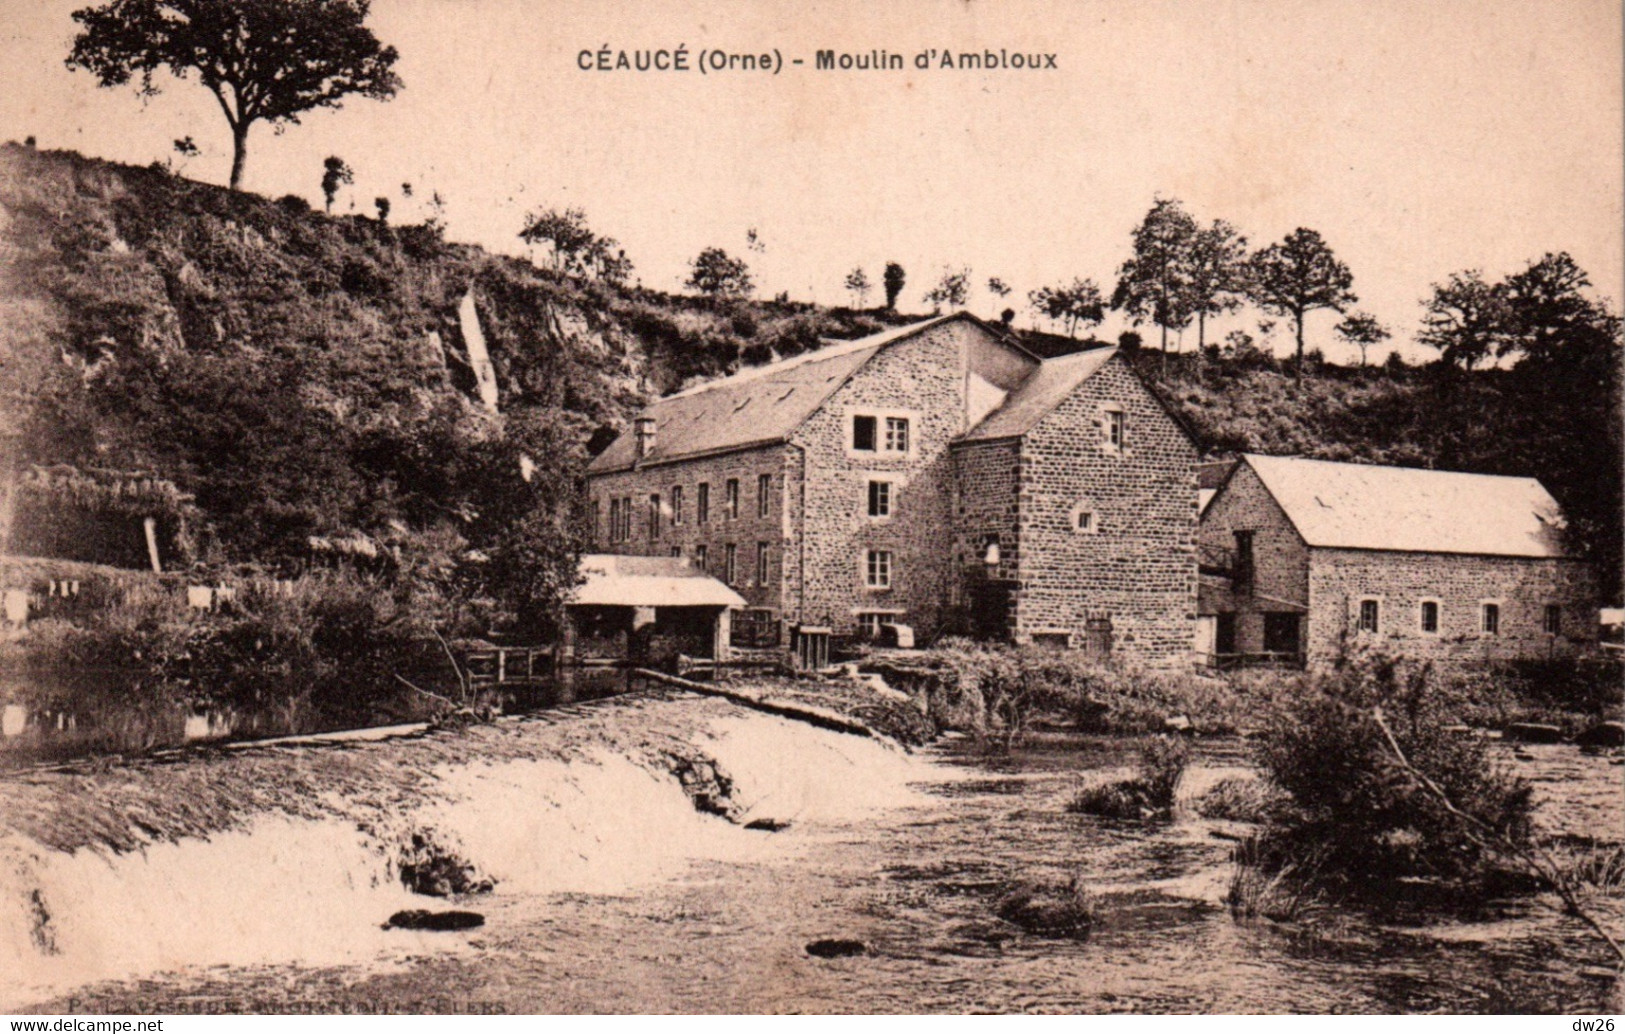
716,273
187,149
1545,308
1072,305
997,287
1362,330
1298,276
574,248
1466,319
893,279
857,282
382,204
335,173
951,291
264,60
1154,284
1216,274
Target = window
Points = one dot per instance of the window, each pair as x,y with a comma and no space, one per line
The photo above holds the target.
877,569
1241,570
1053,640
1115,428
730,499
614,520
676,505
1086,521
1553,622
1491,623
676,551
764,494
897,434
1430,617
1370,616
702,558
654,515
702,503
730,563
863,433
764,574
880,498
869,623
754,629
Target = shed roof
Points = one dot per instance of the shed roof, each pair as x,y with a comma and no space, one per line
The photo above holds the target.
1364,506
641,581
1047,387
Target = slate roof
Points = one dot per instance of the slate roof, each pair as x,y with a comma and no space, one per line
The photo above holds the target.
756,406
644,581
1048,385
1364,506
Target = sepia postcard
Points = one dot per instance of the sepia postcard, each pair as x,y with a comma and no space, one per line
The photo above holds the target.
930,507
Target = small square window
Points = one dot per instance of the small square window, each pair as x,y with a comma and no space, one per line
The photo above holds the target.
880,498
877,569
1086,521
863,433
896,434
1491,623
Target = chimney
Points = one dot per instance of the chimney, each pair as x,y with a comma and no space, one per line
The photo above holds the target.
644,428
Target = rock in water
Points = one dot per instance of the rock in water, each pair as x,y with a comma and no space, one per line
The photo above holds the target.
836,948
423,919
1603,734
1530,732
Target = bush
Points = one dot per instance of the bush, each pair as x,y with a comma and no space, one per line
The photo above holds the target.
1050,909
1149,794
1349,791
1242,799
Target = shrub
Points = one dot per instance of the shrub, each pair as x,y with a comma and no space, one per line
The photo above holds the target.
1328,752
1242,799
1266,885
1150,793
1050,909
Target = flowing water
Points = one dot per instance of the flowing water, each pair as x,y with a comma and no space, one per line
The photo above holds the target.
615,895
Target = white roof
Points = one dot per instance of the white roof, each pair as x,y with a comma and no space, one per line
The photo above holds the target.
1363,506
642,581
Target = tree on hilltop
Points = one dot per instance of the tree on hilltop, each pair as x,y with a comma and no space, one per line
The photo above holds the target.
951,290
894,279
718,274
574,248
264,60
857,282
1362,330
1297,276
1074,305
1154,284
1215,274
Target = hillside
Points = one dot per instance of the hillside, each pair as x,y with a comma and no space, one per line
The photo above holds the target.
304,375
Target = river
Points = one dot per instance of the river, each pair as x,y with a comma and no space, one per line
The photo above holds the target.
614,895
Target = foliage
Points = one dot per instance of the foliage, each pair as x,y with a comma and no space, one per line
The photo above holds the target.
1151,792
1050,909
1153,285
1297,276
335,174
1073,305
1242,799
1362,330
857,282
893,279
1327,751
382,205
950,291
1216,274
714,272
1465,320
997,287
264,60
573,247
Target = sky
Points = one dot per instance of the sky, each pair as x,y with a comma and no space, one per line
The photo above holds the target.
1418,138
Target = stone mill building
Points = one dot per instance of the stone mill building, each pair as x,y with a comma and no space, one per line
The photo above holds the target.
934,478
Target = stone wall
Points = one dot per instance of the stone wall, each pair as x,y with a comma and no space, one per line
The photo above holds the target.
923,378
1280,558
744,532
987,507
1136,563
1400,582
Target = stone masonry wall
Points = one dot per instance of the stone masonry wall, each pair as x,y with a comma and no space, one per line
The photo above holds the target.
987,505
923,378
1340,578
769,589
1280,559
1138,563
